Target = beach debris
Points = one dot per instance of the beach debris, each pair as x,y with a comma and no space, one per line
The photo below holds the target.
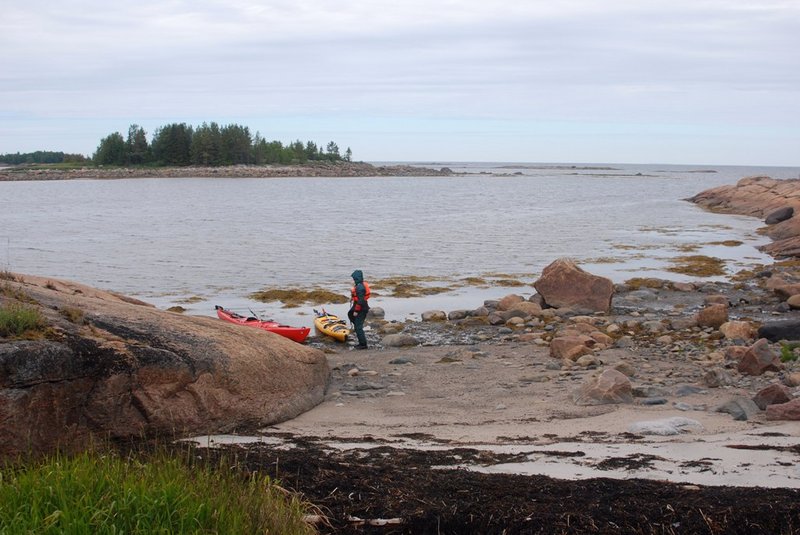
378,522
666,426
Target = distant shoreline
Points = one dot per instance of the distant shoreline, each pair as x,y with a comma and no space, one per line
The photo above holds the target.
316,169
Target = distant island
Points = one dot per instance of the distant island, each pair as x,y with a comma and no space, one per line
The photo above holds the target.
179,144
309,169
209,150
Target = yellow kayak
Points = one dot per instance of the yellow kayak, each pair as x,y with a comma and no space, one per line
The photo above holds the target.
331,325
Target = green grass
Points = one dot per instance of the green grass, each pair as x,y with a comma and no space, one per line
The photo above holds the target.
787,351
17,320
106,494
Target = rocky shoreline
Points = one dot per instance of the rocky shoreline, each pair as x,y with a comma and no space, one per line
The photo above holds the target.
311,169
595,379
776,201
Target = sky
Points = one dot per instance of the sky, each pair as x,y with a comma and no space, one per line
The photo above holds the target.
624,81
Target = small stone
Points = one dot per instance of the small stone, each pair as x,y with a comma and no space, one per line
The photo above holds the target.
653,401
741,408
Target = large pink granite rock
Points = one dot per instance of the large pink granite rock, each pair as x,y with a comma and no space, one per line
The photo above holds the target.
564,285
611,386
118,368
759,358
784,411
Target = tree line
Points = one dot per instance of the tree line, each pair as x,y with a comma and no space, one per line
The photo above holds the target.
42,156
209,144
179,144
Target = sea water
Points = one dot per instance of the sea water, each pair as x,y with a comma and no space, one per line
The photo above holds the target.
197,242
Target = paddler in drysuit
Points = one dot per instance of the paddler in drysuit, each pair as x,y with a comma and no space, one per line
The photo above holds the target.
359,294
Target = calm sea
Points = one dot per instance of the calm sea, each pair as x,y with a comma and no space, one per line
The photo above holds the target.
206,241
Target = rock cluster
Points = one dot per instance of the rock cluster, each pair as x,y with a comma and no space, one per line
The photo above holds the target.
716,328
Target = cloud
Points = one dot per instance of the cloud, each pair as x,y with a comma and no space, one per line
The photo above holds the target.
660,62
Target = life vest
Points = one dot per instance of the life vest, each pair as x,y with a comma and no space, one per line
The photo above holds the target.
354,296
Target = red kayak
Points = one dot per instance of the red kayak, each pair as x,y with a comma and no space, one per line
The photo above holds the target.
298,334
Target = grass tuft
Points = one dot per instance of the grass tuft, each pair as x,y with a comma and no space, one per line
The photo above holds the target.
787,351
19,320
7,276
106,493
73,315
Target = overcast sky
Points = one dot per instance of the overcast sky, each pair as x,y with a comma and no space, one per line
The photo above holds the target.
640,81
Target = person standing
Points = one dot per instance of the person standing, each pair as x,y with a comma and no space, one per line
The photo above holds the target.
359,295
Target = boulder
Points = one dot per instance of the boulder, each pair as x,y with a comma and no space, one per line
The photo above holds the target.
115,367
741,408
712,316
480,312
792,379
458,315
602,339
773,394
495,319
434,315
738,330
376,313
735,353
781,214
715,378
610,386
508,302
780,330
784,411
782,287
391,328
794,302
758,359
571,347
526,308
564,285
399,340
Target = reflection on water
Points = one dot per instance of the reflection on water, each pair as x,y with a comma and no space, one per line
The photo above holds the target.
217,240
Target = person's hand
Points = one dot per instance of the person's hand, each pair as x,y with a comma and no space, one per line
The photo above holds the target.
355,314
